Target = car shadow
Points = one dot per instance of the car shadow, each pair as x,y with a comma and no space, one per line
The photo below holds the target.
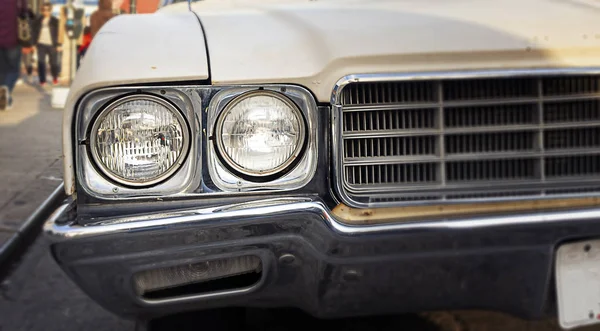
283,320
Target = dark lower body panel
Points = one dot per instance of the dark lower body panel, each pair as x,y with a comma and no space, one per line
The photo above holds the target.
313,262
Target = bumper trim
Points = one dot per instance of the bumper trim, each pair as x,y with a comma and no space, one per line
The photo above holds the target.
58,231
266,265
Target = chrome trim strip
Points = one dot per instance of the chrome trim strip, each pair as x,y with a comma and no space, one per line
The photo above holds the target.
466,103
485,129
506,185
336,114
289,206
499,73
58,213
205,296
465,157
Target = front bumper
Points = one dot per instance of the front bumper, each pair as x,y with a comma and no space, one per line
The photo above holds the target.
495,263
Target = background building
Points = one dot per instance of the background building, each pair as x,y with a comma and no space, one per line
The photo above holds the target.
142,6
120,6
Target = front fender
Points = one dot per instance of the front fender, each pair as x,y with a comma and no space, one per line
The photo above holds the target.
132,49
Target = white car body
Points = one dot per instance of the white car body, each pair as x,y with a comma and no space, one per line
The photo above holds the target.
436,156
315,43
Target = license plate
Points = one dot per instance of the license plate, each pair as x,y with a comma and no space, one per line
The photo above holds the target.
578,283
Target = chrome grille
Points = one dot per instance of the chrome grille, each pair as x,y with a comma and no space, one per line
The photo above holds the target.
414,141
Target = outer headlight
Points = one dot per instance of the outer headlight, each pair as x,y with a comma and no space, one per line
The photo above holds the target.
260,133
139,140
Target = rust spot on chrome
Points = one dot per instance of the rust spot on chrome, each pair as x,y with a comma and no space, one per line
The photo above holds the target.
357,216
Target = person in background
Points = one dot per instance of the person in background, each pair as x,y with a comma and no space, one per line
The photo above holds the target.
85,43
48,43
100,16
28,61
10,49
28,50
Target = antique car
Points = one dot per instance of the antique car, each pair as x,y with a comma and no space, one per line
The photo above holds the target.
346,158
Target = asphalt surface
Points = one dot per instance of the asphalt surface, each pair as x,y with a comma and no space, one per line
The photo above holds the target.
37,295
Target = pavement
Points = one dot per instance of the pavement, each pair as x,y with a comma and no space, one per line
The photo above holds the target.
30,158
37,295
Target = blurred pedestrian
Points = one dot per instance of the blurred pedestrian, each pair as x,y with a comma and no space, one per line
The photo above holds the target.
48,43
86,40
28,49
28,62
100,16
13,31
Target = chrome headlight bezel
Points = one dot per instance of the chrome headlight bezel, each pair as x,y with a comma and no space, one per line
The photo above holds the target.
296,176
202,173
93,182
276,171
125,181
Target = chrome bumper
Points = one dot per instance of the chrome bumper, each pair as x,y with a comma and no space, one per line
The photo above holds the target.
58,232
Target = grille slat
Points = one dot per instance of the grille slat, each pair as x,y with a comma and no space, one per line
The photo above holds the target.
490,170
411,141
572,111
473,89
572,166
390,146
519,114
412,173
399,120
409,92
490,142
572,138
571,85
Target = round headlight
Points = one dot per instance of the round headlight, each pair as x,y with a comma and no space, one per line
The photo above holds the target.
139,140
260,133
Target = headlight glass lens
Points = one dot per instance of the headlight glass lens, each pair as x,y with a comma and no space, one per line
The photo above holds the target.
260,133
139,140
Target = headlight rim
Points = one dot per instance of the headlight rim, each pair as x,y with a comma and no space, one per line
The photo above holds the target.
111,105
259,176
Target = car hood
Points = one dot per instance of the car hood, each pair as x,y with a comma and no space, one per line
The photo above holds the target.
315,43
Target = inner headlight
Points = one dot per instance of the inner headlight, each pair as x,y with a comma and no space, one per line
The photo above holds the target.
260,133
139,140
